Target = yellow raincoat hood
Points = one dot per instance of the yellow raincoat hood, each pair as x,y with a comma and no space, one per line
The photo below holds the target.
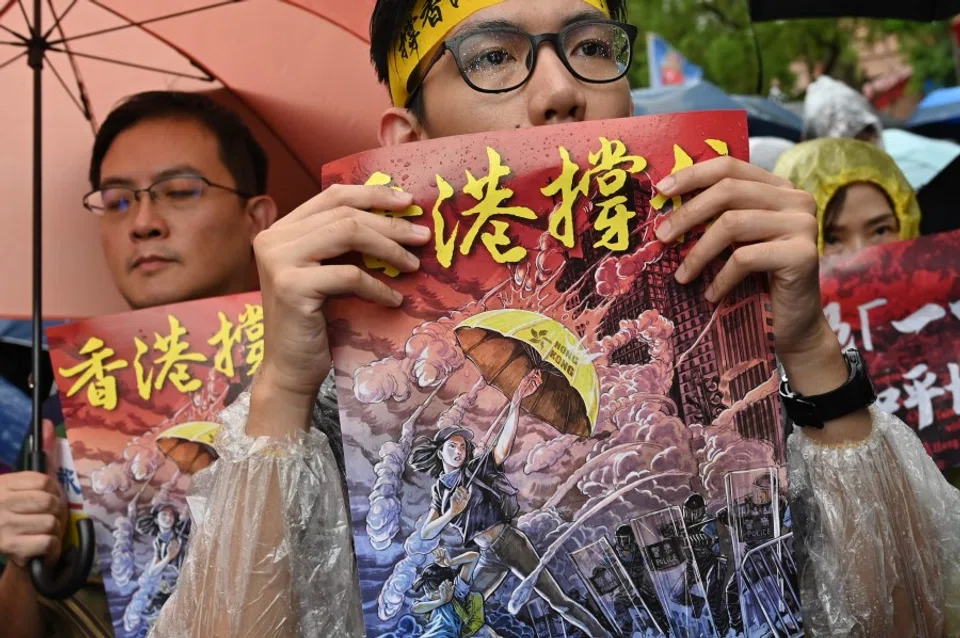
823,166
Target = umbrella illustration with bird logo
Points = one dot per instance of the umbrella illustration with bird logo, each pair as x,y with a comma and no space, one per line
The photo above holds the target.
506,345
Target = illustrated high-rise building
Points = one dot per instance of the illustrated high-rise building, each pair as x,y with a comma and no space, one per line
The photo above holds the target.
745,337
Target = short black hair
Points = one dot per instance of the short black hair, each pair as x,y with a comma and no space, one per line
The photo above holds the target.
240,152
433,576
388,19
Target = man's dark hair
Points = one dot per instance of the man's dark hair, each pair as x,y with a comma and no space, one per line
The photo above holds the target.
240,152
388,19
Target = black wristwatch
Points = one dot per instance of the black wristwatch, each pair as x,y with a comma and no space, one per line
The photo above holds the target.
814,412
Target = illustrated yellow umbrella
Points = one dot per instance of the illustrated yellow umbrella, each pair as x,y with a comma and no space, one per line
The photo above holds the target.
506,345
190,445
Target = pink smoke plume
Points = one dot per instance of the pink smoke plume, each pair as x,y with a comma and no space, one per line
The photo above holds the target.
435,353
142,457
653,444
384,380
616,276
548,453
111,479
400,582
431,356
761,392
726,451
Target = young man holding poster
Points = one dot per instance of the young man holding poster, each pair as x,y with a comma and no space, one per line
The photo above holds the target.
483,65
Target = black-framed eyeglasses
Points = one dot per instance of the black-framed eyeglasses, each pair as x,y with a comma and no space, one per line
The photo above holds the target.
175,192
502,60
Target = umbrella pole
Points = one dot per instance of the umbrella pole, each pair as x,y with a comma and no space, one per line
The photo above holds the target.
35,60
71,573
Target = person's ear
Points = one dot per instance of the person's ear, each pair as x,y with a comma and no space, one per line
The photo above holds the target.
400,126
262,212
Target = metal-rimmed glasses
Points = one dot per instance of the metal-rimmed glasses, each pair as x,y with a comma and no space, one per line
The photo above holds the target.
174,192
494,60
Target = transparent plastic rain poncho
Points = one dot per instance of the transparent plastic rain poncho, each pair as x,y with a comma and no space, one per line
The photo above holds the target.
271,552
824,166
833,109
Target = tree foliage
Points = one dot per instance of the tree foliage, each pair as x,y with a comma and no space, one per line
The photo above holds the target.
718,36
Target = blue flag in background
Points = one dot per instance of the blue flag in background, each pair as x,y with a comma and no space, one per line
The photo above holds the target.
667,66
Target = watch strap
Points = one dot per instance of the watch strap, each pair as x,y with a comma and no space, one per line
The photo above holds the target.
815,411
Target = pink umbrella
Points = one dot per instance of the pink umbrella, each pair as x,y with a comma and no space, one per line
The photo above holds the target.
297,70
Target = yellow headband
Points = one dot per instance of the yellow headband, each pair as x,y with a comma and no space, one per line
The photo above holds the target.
427,26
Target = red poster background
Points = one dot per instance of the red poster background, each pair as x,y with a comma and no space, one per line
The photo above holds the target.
909,276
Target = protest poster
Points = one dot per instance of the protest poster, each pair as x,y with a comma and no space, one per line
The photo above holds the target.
139,392
551,436
900,305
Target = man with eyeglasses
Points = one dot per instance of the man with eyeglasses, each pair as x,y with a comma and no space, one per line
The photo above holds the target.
465,66
180,188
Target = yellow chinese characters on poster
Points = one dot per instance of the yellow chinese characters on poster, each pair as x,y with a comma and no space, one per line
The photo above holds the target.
139,393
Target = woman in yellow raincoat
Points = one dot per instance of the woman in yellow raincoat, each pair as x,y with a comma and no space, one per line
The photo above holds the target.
863,199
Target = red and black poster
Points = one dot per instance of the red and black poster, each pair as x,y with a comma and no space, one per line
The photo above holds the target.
900,305
552,437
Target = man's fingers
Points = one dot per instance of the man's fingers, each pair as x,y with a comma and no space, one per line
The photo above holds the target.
359,197
24,548
350,234
33,525
319,282
742,227
30,482
731,194
706,174
755,258
34,502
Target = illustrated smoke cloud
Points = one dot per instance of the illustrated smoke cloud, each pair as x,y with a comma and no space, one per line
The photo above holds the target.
654,377
110,479
400,582
384,380
727,451
141,461
143,457
616,276
123,565
435,354
548,453
432,356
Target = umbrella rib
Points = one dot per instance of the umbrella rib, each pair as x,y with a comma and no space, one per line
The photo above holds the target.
14,33
13,59
135,25
26,19
134,65
63,83
58,19
84,101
